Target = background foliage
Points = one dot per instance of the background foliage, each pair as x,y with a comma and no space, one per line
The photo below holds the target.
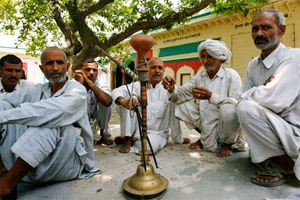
79,25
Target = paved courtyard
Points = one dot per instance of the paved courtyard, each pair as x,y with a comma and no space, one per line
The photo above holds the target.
192,175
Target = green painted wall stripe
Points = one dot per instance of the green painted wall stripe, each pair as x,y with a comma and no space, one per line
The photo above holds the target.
201,15
182,60
180,49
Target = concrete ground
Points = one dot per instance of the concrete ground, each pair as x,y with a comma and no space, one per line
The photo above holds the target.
192,174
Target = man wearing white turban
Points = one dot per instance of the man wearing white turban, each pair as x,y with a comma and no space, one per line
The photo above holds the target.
218,89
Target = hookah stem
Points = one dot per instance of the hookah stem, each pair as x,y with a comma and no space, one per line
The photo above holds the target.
144,110
139,118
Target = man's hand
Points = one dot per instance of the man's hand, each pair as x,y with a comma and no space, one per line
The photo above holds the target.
83,79
201,93
269,80
169,83
129,103
79,76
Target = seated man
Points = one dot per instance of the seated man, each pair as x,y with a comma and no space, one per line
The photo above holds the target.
160,113
11,71
269,111
218,89
99,101
56,141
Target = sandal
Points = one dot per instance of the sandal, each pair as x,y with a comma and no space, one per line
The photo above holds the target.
272,170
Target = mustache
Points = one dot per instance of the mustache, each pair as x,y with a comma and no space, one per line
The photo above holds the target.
55,73
12,78
261,38
208,65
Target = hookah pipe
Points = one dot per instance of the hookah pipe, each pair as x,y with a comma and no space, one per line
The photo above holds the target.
143,77
126,69
145,182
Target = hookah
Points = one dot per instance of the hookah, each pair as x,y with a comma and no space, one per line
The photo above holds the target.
145,183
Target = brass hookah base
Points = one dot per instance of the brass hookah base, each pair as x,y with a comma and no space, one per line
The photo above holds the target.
145,184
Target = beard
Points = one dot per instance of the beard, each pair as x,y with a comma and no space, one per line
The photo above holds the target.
210,68
264,43
60,79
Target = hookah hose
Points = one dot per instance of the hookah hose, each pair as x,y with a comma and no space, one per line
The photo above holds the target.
142,142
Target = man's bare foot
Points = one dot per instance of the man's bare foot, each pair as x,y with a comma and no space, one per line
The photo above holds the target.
225,150
105,141
4,188
7,192
125,148
10,180
186,141
196,145
119,139
3,191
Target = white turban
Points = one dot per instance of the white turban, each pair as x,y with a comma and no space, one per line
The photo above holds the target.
215,48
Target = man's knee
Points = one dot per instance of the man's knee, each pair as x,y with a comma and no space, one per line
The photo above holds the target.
187,112
246,109
228,113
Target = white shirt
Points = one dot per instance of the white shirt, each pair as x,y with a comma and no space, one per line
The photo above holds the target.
22,84
225,87
34,106
282,94
92,99
160,112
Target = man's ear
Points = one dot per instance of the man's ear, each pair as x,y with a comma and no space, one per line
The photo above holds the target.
68,66
282,29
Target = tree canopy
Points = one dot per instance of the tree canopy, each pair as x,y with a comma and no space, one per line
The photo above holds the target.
79,25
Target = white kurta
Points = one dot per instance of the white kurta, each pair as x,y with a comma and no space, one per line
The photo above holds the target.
97,110
14,128
22,84
217,117
57,140
270,115
160,117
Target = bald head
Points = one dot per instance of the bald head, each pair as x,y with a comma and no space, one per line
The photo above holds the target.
51,49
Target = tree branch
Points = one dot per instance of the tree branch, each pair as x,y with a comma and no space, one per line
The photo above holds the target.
98,6
74,45
141,24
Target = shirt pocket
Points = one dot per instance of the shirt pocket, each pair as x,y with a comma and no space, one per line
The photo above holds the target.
161,109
